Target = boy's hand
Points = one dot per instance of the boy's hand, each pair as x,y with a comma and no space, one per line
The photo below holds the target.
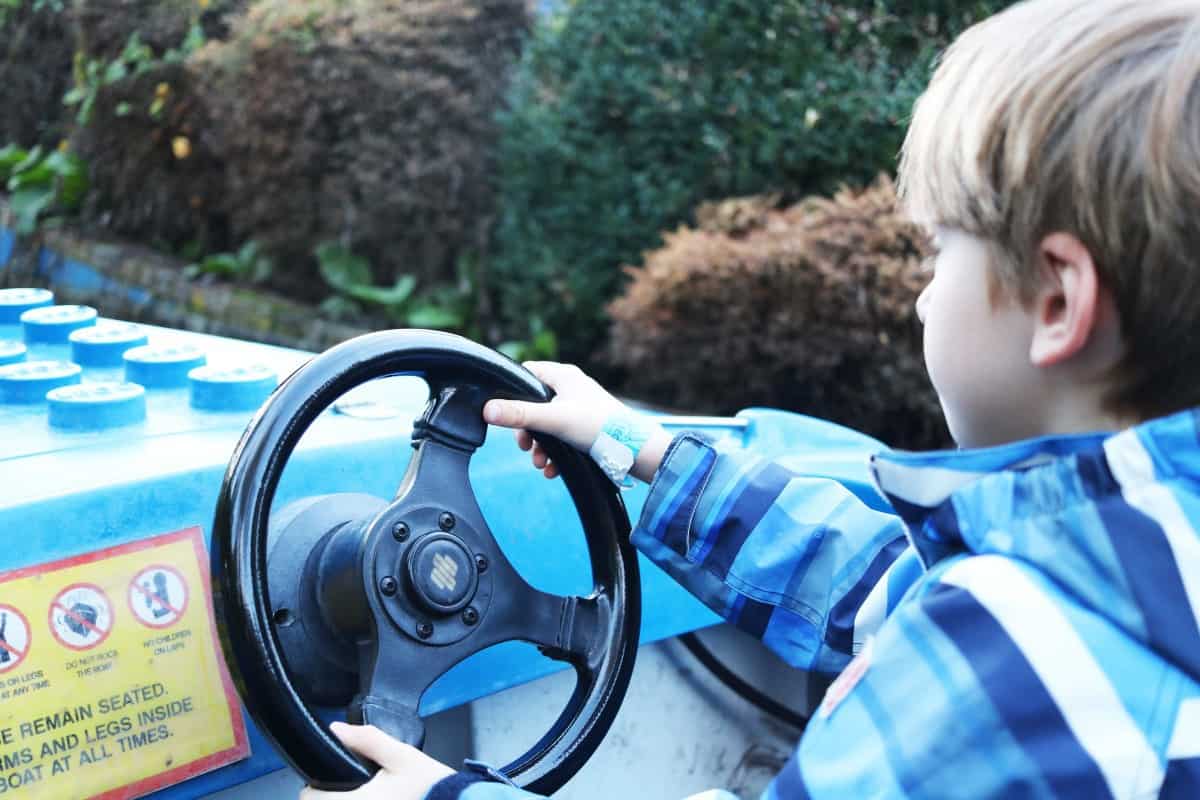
405,773
579,409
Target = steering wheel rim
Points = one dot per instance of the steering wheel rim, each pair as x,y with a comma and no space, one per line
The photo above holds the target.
239,555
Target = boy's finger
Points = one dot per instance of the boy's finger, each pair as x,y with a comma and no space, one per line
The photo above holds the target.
546,371
369,741
518,414
524,439
554,374
550,470
540,459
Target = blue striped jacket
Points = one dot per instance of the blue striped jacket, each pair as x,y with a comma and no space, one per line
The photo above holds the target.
1024,625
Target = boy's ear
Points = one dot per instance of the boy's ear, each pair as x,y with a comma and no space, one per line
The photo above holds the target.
1069,302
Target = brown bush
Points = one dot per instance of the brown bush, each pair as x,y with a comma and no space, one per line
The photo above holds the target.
155,177
149,141
810,309
35,70
368,122
104,26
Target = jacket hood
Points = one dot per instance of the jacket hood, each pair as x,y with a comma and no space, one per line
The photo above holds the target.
1112,518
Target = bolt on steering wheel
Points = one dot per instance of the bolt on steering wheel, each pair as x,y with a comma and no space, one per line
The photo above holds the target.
355,602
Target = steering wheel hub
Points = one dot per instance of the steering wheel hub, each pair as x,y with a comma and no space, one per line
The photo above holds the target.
434,574
441,571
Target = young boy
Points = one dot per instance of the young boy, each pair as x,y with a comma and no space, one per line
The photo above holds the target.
1025,625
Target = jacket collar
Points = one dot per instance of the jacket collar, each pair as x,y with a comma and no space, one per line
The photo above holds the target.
1111,518
1028,479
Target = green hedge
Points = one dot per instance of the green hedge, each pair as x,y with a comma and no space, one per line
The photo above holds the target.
626,115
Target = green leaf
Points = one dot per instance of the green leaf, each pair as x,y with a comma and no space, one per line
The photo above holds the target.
223,264
10,157
248,252
341,269
115,71
514,350
545,345
85,110
27,205
72,178
39,177
340,307
31,160
433,316
75,96
123,109
261,269
351,275
194,39
394,296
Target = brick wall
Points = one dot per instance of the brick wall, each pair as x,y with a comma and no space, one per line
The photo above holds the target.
131,282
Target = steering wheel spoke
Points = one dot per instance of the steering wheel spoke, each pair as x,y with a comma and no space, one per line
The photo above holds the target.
394,676
565,628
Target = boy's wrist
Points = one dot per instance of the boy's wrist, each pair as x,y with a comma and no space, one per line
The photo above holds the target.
651,456
628,444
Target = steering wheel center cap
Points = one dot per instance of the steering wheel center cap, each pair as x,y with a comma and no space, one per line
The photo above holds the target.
442,571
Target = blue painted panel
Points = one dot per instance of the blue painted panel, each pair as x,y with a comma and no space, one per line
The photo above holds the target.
7,240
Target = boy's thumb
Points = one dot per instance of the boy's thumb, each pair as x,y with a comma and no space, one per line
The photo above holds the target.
369,741
517,414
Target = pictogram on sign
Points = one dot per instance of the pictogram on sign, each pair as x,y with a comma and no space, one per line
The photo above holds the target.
81,616
158,596
14,637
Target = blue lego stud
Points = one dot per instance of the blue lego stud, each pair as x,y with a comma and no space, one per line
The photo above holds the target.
28,382
162,366
231,388
53,324
15,302
104,344
11,352
96,406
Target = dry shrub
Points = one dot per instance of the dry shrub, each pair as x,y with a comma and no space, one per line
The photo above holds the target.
35,70
368,122
104,26
155,177
149,141
810,309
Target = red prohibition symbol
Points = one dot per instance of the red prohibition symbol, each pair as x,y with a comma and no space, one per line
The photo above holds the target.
14,637
81,616
158,596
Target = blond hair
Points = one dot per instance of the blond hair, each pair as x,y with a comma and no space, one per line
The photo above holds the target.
1080,116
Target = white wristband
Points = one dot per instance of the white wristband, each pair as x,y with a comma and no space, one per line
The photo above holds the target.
617,445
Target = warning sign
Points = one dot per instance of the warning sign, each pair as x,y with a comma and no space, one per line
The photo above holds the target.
158,596
81,616
14,638
114,703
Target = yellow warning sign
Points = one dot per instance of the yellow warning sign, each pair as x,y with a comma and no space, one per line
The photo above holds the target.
112,683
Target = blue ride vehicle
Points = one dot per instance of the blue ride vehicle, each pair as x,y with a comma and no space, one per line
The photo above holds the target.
213,547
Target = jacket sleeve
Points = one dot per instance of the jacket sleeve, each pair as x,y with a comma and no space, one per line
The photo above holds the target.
473,786
797,560
468,786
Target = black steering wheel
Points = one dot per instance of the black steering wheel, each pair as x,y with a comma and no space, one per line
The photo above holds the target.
354,603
